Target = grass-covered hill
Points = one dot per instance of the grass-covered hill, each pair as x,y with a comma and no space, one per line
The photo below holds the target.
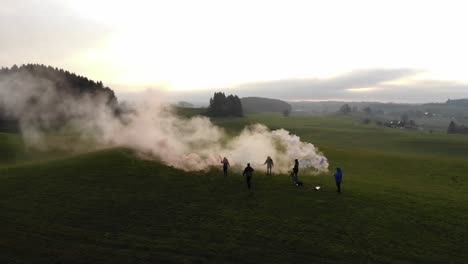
39,90
63,81
404,200
264,105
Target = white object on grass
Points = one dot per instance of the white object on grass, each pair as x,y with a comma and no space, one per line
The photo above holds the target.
317,188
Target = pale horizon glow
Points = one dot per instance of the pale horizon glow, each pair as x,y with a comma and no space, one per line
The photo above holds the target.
198,45
358,90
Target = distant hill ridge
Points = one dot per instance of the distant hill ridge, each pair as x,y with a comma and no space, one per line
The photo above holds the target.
260,104
463,101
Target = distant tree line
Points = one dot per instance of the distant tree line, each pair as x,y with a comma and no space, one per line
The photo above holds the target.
463,101
222,105
453,128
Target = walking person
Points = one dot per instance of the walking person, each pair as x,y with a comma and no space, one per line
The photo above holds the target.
338,179
248,171
226,165
269,163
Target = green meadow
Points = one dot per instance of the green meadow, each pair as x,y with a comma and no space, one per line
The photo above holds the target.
404,200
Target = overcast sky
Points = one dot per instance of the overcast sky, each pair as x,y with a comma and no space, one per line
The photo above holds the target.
411,51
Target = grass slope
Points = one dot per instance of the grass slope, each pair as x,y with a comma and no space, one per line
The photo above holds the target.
405,200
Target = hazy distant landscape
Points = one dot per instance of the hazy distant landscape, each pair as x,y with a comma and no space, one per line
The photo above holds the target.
108,198
429,117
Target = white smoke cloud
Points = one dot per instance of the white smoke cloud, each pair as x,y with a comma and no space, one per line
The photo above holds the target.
153,130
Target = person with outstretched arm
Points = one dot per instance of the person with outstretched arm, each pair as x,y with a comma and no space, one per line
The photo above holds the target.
338,179
269,163
248,171
226,165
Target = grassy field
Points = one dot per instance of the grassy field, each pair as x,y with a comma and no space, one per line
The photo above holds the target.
404,200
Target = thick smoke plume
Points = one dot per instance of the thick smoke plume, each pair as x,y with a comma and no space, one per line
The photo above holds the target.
151,128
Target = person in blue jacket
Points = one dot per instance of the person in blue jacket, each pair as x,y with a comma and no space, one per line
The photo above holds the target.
338,179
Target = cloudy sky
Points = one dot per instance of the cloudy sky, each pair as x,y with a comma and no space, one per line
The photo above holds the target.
407,51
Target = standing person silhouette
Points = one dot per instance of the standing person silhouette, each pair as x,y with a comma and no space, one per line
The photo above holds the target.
338,179
226,165
248,171
295,170
269,163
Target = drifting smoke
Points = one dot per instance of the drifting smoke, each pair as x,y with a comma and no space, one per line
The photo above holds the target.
152,129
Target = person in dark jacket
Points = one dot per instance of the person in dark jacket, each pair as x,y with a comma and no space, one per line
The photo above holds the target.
338,179
269,163
248,171
295,170
226,165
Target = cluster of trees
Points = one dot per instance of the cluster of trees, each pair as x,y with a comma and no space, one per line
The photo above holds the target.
367,110
345,109
222,105
453,128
